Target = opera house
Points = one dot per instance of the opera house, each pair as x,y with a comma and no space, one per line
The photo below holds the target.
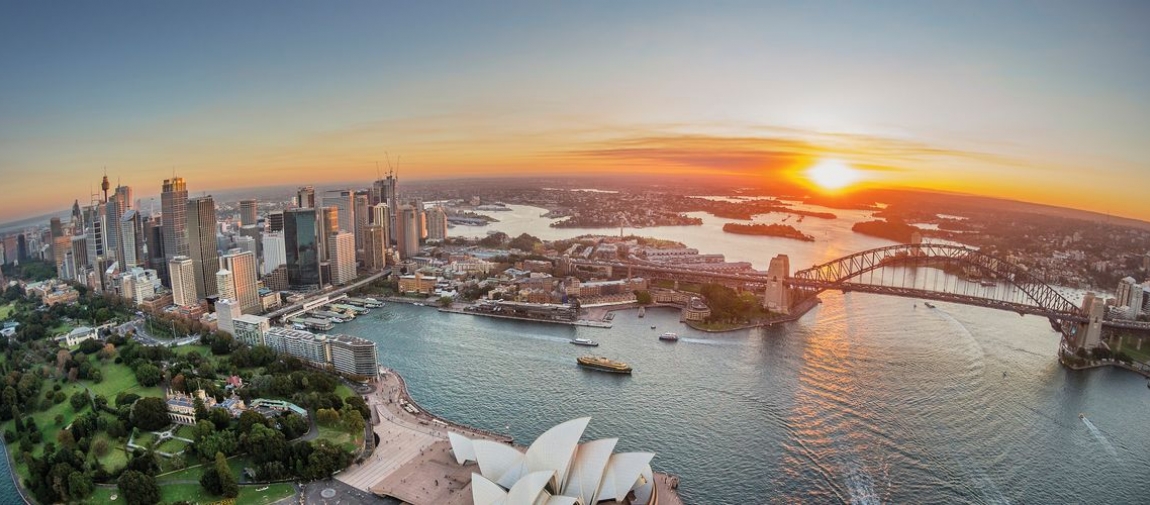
557,470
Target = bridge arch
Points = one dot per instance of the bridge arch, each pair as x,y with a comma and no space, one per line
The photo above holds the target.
1040,298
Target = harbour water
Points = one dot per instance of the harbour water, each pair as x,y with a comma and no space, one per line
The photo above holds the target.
867,399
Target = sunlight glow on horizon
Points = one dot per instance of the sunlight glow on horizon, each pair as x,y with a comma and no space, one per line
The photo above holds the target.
832,175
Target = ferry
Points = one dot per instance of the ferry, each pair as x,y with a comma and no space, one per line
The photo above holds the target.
585,342
669,337
603,364
370,303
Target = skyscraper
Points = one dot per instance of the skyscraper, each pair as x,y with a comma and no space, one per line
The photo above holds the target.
389,195
300,247
202,245
116,206
183,280
342,256
374,248
174,206
248,212
361,220
328,226
227,310
242,265
275,253
436,223
95,231
344,200
225,284
131,240
407,231
154,243
305,198
276,221
382,217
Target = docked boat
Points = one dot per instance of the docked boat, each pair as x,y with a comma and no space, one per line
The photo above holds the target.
603,364
988,284
669,337
642,311
585,342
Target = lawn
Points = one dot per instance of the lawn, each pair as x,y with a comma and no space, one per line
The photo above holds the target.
61,329
172,446
184,350
185,431
339,438
114,460
116,378
6,311
145,439
193,493
343,391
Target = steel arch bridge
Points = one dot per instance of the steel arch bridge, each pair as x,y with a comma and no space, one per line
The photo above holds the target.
1030,296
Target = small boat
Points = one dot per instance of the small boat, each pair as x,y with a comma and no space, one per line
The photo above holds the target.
928,305
417,304
603,364
652,326
642,311
988,284
669,337
584,342
1081,415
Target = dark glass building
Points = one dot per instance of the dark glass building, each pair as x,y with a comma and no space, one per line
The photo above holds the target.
300,234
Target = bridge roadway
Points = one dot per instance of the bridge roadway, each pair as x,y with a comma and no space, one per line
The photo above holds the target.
276,314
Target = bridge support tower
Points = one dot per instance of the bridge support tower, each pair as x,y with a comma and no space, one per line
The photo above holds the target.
1089,334
777,297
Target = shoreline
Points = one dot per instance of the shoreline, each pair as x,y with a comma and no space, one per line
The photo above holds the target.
792,317
417,459
581,322
1120,366
15,478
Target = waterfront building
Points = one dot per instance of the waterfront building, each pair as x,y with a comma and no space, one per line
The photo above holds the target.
342,257
302,256
417,283
304,345
248,212
174,206
202,244
244,278
183,281
353,355
275,253
556,468
227,311
1129,295
250,329
328,225
575,287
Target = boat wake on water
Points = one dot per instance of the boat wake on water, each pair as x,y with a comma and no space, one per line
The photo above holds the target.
1099,436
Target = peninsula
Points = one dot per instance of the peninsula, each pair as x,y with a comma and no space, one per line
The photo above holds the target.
770,230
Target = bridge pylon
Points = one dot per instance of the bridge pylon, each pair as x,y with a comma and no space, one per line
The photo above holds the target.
777,296
1089,333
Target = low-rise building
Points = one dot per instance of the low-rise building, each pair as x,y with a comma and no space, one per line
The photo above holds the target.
76,336
417,283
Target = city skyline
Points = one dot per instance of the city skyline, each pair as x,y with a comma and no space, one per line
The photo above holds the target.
1035,102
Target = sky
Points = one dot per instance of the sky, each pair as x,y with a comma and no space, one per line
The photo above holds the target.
1044,101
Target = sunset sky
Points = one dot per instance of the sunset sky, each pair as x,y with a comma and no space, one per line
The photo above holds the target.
1045,101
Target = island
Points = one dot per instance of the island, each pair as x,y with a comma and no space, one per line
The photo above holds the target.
895,230
769,230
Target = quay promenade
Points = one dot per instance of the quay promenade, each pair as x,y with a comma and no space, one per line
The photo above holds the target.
413,462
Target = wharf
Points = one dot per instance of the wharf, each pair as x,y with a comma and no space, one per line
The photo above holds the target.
414,463
578,322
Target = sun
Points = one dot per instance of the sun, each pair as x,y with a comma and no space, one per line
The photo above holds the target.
833,175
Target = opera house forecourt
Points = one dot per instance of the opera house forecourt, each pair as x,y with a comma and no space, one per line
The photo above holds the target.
557,470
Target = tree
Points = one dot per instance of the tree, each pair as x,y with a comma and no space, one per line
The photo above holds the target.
100,447
79,400
138,488
126,399
327,417
644,297
150,413
220,417
148,375
180,383
229,487
445,301
79,485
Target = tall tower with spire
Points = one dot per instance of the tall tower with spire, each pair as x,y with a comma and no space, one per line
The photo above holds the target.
105,185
